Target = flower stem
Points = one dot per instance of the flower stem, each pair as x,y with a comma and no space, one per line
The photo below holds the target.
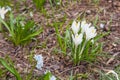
0,27
75,55
82,49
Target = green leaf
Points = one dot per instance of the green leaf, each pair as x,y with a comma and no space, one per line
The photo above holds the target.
11,69
39,3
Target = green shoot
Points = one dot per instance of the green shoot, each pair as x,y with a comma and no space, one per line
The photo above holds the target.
10,68
20,32
39,3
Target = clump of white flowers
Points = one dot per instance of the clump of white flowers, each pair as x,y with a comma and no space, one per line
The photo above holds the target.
87,29
82,34
39,60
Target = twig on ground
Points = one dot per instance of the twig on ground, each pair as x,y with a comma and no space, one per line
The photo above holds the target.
112,58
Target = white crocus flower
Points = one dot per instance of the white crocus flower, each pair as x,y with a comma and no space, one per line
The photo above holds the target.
90,32
3,11
77,39
75,27
39,60
84,25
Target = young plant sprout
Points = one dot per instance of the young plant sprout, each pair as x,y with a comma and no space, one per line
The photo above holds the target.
48,76
52,78
21,31
39,60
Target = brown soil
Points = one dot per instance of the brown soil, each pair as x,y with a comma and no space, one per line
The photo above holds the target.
46,42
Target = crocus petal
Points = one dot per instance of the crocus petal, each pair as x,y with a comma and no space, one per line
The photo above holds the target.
83,23
75,27
84,26
90,33
2,16
77,39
